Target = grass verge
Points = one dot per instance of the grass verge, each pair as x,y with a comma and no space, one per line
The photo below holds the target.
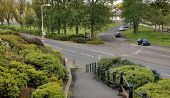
155,37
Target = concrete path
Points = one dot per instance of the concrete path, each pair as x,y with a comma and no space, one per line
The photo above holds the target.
85,86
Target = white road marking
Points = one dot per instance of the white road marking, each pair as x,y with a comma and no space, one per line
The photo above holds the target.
69,50
155,53
166,75
125,55
87,55
138,51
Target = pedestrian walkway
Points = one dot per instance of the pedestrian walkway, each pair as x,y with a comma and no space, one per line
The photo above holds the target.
84,85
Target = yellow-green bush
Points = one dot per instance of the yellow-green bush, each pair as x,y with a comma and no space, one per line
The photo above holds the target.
15,74
135,74
50,90
161,89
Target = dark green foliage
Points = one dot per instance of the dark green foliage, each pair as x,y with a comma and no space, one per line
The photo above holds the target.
50,90
135,74
47,62
76,36
79,40
94,41
8,86
161,89
15,74
113,62
62,37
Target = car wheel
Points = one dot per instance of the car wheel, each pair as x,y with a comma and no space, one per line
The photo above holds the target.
142,44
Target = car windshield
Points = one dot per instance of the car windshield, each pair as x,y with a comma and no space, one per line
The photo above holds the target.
145,40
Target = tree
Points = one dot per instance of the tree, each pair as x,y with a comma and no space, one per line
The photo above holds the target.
77,14
18,12
97,14
29,17
159,10
2,13
8,9
133,11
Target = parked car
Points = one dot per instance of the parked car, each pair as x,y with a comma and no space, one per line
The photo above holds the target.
144,42
117,35
126,27
121,28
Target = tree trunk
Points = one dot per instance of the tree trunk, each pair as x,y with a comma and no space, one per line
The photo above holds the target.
77,29
159,28
8,21
162,27
2,23
65,28
135,27
155,27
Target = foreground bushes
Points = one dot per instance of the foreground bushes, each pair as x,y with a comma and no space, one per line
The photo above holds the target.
135,74
28,64
113,62
49,90
160,89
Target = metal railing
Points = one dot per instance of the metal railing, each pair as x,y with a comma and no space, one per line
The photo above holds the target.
111,80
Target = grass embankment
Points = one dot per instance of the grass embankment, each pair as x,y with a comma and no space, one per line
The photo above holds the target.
72,30
155,37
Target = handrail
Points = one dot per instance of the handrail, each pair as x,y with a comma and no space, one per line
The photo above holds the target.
125,81
104,76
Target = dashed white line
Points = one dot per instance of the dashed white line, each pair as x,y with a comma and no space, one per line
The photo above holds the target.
87,55
69,50
166,75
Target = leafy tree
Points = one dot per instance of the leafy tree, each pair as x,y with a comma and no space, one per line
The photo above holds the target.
18,13
2,13
29,18
8,9
97,14
133,11
77,14
159,10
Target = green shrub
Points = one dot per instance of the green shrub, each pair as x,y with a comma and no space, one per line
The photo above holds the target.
49,90
94,41
108,62
8,86
35,78
61,37
2,32
135,74
161,89
76,36
114,62
79,40
48,62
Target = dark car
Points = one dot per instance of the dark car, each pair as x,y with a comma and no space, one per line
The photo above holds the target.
144,42
117,35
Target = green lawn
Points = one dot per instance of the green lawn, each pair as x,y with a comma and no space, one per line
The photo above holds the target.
72,30
155,37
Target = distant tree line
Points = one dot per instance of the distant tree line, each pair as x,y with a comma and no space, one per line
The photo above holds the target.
155,11
62,14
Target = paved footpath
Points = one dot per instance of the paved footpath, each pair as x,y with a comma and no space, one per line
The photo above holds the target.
86,86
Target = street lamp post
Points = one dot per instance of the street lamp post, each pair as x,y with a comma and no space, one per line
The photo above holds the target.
42,21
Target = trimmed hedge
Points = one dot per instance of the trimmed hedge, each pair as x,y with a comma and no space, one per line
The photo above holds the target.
79,40
15,74
94,41
161,89
49,90
135,74
113,62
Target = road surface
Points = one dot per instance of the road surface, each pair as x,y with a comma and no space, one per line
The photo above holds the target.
153,57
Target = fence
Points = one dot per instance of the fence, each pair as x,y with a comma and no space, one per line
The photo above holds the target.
111,80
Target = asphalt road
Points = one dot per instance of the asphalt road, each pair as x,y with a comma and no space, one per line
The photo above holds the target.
84,86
